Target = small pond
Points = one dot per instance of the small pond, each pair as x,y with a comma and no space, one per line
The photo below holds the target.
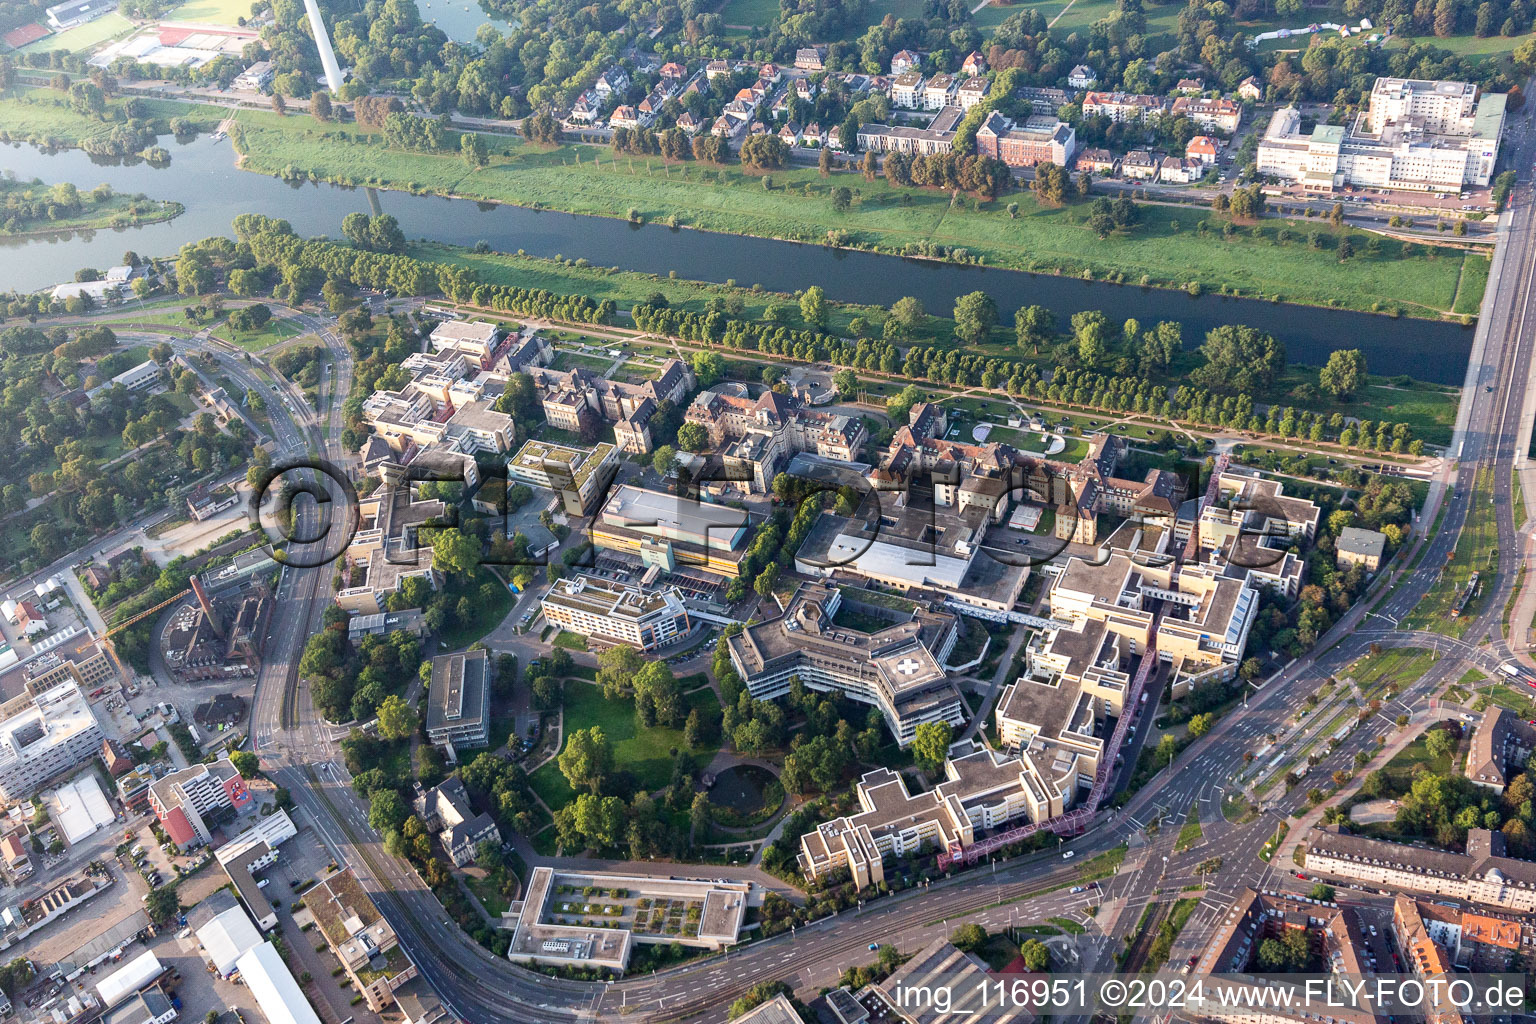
741,788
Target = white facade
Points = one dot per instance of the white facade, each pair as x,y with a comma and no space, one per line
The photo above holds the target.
278,995
42,736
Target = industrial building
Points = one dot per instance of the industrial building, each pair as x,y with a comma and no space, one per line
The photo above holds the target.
279,996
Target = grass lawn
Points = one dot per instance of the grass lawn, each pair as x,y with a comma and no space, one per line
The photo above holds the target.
570,641
1474,279
270,334
1165,250
83,37
487,615
1429,409
117,211
487,890
42,114
213,12
1516,700
1401,768
1401,665
566,361
750,13
647,753
1191,833
1476,550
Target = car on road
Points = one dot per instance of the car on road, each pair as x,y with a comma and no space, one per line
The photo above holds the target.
1301,876
874,946
1076,889
1069,855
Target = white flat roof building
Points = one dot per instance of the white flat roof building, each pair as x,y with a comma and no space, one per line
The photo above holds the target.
42,735
80,808
278,995
643,617
129,978
228,937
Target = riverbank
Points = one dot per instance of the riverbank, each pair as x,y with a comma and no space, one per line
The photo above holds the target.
1290,260
34,209
1430,409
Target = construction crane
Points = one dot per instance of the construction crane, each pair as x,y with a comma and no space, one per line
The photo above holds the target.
104,642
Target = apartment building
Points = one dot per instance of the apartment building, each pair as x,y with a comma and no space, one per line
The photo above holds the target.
1415,135
907,90
939,92
459,701
641,616
937,138
1358,546
579,475
445,809
1434,939
44,732
1483,874
1212,115
1124,107
1037,140
971,92
982,790
1501,745
191,802
577,400
756,437
897,668
360,938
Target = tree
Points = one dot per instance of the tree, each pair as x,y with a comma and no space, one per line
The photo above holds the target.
586,760
162,904
842,199
1344,373
1050,184
846,382
16,975
320,105
813,306
824,161
397,719
766,579
975,316
474,150
1440,744
692,437
969,938
663,459
616,670
707,367
386,810
279,104
908,314
1036,954
1201,724
246,763
930,744
1323,892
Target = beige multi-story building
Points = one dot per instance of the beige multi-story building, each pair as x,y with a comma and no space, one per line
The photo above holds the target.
387,548
897,668
579,475
1212,115
1251,529
756,437
1414,135
441,405
1483,874
44,732
668,530
982,790
1124,107
577,400
360,938
1501,745
643,617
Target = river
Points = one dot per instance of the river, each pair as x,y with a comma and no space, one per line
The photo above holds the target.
202,176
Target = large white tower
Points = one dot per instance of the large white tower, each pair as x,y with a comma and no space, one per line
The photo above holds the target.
323,42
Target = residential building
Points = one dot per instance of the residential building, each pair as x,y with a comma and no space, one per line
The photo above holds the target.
1082,77
1501,745
360,938
13,855
1096,161
972,91
756,437
1037,140
257,77
1250,89
117,763
445,809
1414,135
1123,107
1203,148
907,90
1432,934
668,530
1483,874
1358,546
896,668
459,701
904,61
1139,165
614,81
205,504
580,476
939,92
44,732
640,616
191,802
1213,115
1189,85
974,64
809,58
673,71
625,116
133,789
1180,170
937,138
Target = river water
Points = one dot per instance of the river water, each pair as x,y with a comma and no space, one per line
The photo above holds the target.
202,176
